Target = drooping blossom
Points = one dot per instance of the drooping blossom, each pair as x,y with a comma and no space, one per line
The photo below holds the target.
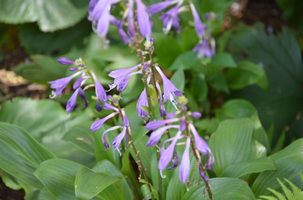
185,163
143,20
199,26
169,89
161,106
158,7
71,103
142,101
203,49
171,19
65,61
131,28
100,92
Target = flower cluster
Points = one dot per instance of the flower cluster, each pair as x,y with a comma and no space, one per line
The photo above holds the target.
60,84
167,154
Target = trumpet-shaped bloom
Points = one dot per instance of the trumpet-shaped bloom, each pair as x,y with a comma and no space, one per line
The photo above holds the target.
143,20
77,83
161,106
204,50
98,124
171,19
65,61
167,154
71,103
158,7
200,27
142,101
100,93
175,161
60,84
82,96
131,28
185,163
155,136
117,141
156,124
170,91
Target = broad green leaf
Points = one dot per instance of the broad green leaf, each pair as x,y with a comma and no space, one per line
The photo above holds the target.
81,136
127,61
236,108
136,136
289,165
41,70
198,87
166,49
60,42
189,39
222,188
218,82
282,103
58,176
207,125
247,73
88,183
234,142
240,169
21,154
50,15
223,59
185,61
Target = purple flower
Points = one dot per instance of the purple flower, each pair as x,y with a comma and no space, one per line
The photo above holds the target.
161,106
117,141
101,14
77,83
211,161
104,136
71,103
171,19
198,23
143,20
65,61
167,154
205,178
173,114
203,49
125,120
122,77
82,96
131,28
170,91
100,92
60,84
91,6
98,124
156,124
158,7
107,106
142,101
195,114
155,136
175,161
183,124
121,32
185,163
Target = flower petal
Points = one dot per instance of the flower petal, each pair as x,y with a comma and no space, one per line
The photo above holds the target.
185,163
98,124
155,136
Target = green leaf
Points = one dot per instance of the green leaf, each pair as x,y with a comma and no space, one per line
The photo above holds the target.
223,59
222,188
218,82
240,169
185,61
189,39
178,79
81,136
51,15
289,165
198,87
247,73
284,71
233,142
236,108
166,49
21,154
41,70
112,54
88,183
58,176
136,136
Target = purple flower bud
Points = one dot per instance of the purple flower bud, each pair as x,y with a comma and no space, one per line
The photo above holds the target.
158,7
60,84
98,124
98,106
155,136
185,163
82,96
183,124
173,114
117,141
195,114
198,23
142,101
205,178
211,161
71,103
78,82
175,161
156,124
167,154
122,72
73,69
143,20
104,136
65,61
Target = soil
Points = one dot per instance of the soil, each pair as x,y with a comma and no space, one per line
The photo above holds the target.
12,53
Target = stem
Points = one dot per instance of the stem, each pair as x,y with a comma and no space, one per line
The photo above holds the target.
207,186
141,167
